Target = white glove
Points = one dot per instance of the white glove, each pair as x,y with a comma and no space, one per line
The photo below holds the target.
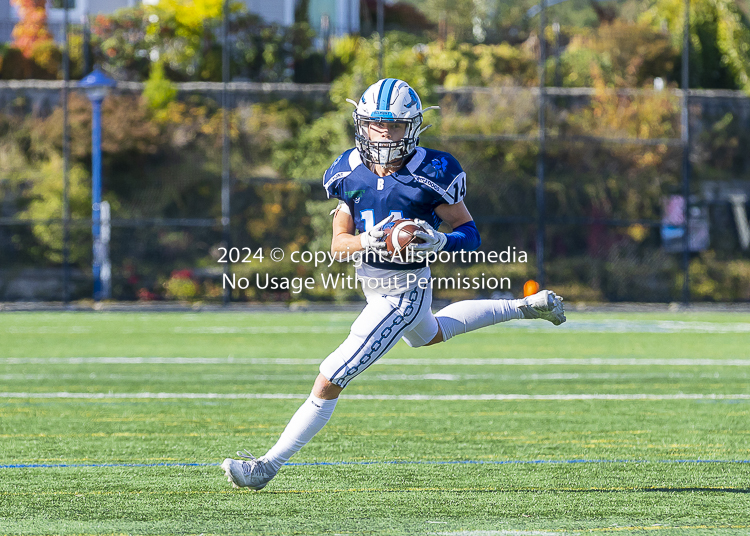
373,239
434,241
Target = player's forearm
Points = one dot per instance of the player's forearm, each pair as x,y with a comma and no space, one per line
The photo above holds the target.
464,237
345,243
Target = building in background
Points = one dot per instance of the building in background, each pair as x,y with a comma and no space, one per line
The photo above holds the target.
6,21
342,16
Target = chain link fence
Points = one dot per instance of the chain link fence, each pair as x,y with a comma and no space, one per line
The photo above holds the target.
611,223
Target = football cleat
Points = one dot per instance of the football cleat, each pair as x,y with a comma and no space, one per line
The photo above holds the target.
254,473
544,304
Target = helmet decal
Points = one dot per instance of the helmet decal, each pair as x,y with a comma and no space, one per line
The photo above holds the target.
380,114
414,99
384,97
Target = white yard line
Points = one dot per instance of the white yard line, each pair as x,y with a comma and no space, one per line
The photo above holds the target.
586,361
502,533
245,396
575,325
234,377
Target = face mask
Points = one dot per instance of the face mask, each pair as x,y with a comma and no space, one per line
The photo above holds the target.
384,155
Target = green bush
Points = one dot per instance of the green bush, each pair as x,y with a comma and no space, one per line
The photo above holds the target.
619,54
47,58
455,64
158,91
719,37
44,191
180,286
15,65
45,62
714,280
3,51
628,275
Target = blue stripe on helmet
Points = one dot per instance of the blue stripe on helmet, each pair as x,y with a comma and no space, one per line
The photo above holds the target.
384,96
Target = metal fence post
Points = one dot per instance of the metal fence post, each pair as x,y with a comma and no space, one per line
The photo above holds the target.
381,32
542,149
685,138
66,161
225,171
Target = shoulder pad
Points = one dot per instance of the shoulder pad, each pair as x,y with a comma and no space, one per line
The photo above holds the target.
440,172
340,169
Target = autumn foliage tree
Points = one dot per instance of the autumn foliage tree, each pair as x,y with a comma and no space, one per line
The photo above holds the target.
31,29
719,37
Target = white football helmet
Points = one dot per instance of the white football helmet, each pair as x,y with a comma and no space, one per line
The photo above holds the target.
388,101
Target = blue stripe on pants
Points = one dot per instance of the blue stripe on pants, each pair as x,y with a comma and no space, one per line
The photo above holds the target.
392,335
342,367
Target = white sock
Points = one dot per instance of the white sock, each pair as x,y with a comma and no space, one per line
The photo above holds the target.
310,418
465,316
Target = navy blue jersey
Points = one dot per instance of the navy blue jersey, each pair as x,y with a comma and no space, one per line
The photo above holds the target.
429,178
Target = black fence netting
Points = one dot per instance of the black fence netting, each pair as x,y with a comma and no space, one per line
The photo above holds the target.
608,228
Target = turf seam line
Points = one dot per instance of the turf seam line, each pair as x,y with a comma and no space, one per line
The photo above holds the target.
366,463
411,397
580,325
591,361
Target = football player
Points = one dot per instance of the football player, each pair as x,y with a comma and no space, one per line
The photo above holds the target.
388,176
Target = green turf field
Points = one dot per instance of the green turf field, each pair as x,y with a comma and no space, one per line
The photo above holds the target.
115,423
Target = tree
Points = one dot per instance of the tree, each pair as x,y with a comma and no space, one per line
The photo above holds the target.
622,54
456,17
719,40
186,38
330,134
31,29
158,91
194,24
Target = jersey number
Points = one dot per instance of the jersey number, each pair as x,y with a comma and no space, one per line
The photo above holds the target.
459,193
368,216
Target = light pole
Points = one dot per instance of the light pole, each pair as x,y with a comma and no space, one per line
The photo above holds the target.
97,86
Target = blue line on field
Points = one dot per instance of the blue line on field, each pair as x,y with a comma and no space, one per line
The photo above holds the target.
394,462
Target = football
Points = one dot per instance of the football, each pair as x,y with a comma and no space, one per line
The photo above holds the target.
399,234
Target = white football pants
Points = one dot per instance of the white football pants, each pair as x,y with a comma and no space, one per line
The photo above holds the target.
380,325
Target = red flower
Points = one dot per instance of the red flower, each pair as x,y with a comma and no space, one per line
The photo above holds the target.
182,274
146,295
